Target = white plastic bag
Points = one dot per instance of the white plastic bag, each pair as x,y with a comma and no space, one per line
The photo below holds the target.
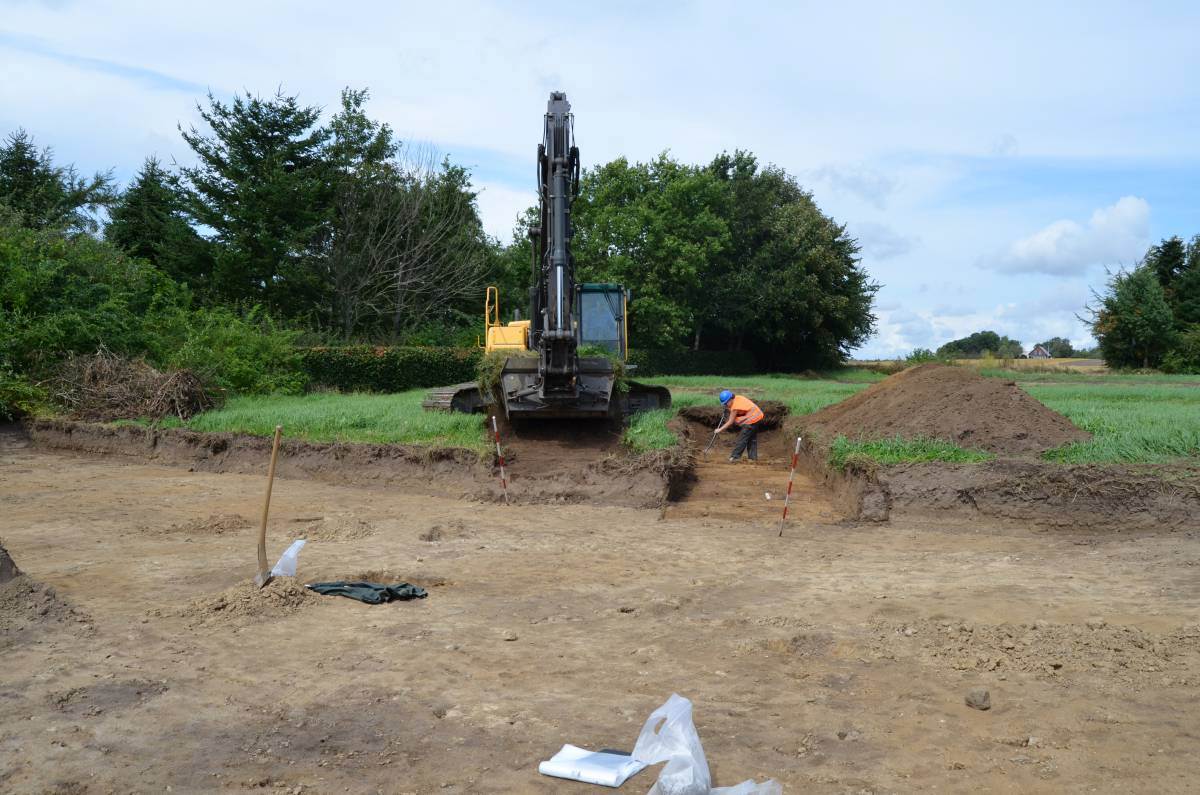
669,735
286,567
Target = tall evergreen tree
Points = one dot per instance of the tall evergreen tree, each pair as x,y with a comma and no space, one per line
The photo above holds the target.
1133,323
262,184
148,220
47,196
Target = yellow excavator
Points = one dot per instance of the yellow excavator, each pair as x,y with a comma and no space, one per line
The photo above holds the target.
563,360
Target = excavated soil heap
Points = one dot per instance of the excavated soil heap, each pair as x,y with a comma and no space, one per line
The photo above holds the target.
245,602
27,605
950,403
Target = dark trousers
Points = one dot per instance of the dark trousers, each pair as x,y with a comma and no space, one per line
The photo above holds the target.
747,441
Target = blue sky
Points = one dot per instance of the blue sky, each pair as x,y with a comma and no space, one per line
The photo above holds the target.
993,159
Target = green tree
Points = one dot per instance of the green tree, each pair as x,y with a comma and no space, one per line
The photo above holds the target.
262,185
1059,347
46,196
655,228
981,342
1133,322
148,220
1185,291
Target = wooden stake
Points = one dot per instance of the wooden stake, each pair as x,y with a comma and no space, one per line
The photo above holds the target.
500,456
264,574
787,498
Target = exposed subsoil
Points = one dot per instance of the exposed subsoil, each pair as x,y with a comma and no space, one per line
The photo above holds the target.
950,403
569,462
835,659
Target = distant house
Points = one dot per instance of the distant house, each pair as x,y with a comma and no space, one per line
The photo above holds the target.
1039,352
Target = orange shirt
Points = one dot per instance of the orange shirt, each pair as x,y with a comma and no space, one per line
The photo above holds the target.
749,410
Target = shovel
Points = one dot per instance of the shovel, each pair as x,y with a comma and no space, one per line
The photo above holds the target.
713,440
264,574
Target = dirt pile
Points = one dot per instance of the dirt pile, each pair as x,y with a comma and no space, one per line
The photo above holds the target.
216,524
282,596
1123,652
335,528
27,605
949,403
711,415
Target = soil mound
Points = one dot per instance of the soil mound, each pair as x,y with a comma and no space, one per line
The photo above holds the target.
216,524
710,415
26,605
950,403
282,596
336,528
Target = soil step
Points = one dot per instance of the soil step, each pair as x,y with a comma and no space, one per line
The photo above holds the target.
739,492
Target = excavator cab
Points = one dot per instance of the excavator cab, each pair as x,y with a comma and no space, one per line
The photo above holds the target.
601,311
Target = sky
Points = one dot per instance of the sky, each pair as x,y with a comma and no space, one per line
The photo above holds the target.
993,160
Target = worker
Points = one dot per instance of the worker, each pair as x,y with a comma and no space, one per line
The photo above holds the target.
746,414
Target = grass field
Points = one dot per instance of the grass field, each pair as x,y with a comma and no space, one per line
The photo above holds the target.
330,417
1134,418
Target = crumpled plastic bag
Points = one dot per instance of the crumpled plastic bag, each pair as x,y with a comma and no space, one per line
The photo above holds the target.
286,567
669,735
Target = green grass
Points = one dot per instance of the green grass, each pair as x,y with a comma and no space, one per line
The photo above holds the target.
844,452
1150,421
648,431
332,417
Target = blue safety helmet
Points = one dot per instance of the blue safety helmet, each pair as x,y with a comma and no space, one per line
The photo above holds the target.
725,396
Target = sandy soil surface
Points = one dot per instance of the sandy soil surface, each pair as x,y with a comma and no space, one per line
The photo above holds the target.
835,659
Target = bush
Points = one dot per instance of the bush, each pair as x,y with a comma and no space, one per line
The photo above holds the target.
18,396
922,356
363,368
247,354
1184,357
684,362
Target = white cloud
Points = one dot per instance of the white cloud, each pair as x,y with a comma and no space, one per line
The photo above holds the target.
868,184
1113,235
499,207
881,241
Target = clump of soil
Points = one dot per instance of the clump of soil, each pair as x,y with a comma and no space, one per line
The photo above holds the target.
950,403
711,415
216,524
449,531
336,528
1125,652
282,596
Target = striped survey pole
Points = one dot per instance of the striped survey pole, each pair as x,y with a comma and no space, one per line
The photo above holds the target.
500,456
787,498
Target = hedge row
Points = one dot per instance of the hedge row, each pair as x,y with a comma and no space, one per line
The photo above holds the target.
653,363
363,368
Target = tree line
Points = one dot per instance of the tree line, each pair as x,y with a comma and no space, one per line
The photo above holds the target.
1149,315
288,223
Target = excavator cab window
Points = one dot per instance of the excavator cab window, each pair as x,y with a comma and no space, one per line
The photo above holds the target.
601,312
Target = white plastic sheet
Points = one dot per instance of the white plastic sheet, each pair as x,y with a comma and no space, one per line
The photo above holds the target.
669,735
592,767
286,567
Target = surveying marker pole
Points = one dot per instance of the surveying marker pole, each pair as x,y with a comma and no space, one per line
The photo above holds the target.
500,456
787,498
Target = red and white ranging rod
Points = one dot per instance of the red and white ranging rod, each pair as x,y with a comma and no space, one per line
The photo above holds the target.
500,456
788,497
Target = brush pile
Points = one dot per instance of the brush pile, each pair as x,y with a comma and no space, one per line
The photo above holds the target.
104,386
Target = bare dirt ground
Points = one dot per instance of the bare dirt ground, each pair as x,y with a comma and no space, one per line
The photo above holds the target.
835,659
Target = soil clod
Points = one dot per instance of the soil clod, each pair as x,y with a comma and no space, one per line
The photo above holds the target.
979,698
